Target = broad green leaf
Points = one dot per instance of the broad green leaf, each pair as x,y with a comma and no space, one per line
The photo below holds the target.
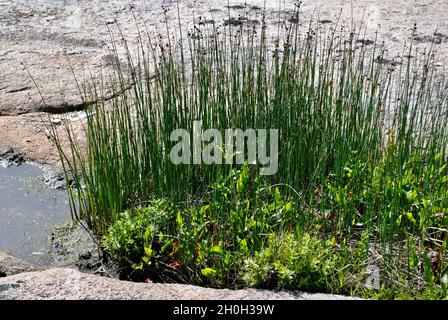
217,249
179,219
148,252
208,272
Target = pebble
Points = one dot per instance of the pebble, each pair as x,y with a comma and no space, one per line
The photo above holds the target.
56,121
111,21
79,116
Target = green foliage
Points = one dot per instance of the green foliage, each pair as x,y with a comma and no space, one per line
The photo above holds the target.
393,200
243,232
126,241
206,240
306,262
229,223
428,292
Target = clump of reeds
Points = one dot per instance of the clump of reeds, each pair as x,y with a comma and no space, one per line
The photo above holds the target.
334,100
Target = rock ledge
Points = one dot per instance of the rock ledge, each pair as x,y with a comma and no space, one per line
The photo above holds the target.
10,265
69,284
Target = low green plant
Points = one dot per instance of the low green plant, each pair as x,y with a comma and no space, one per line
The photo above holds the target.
306,262
206,240
246,233
393,200
125,242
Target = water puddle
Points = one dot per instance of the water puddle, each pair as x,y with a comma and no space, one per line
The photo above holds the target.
29,209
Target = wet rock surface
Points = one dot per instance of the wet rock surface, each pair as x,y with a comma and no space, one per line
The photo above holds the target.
74,246
10,156
29,210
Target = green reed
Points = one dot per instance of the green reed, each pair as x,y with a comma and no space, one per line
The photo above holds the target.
335,101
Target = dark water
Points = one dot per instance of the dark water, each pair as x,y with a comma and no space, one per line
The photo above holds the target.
29,209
